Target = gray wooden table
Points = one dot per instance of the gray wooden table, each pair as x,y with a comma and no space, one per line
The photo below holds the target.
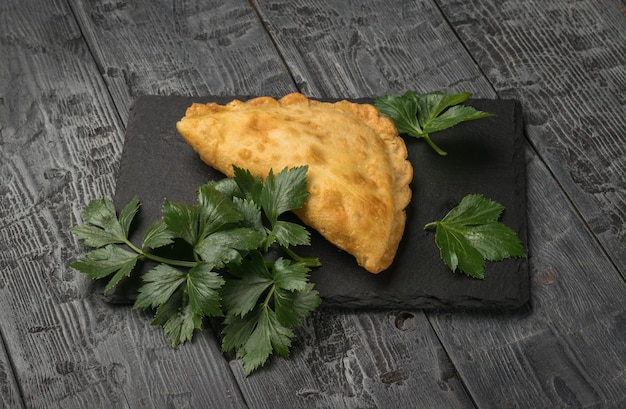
69,72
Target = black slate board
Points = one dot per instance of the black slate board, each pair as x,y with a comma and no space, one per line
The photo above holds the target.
484,156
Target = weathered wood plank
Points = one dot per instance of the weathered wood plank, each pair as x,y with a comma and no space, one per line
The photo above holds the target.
341,49
180,47
565,61
10,396
61,140
359,360
567,350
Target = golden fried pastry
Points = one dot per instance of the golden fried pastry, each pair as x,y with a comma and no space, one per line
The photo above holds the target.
358,173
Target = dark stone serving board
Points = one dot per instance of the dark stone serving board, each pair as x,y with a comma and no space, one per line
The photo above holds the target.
485,156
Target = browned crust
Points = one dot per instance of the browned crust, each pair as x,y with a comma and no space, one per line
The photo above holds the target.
358,172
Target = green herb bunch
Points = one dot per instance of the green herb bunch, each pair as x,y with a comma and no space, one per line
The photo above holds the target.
228,272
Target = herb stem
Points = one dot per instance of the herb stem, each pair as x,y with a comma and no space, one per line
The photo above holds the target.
133,247
159,259
269,296
433,145
430,225
178,263
307,261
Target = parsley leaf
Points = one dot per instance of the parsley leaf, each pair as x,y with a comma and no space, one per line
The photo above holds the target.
289,234
216,210
470,234
232,225
159,285
203,289
177,318
267,335
182,220
292,306
157,235
103,226
255,336
223,247
192,294
419,115
263,305
104,261
283,192
250,280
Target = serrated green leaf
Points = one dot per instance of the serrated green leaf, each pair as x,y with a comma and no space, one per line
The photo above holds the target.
203,288
402,111
470,234
495,241
228,187
182,220
283,192
101,213
237,330
289,275
101,225
104,261
216,210
252,216
242,293
288,234
293,306
280,335
124,271
128,214
251,186
474,209
224,247
249,337
268,335
438,111
226,230
94,236
257,349
158,286
157,235
433,104
457,252
177,319
454,116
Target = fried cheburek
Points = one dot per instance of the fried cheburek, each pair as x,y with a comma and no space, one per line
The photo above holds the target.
358,174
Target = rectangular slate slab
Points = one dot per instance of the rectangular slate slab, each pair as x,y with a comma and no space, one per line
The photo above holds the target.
484,156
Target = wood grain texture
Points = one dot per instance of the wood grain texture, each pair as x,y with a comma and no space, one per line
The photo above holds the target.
61,140
354,49
180,47
10,396
566,62
567,350
359,360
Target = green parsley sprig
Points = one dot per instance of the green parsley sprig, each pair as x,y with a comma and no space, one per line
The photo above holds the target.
229,232
470,234
420,115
